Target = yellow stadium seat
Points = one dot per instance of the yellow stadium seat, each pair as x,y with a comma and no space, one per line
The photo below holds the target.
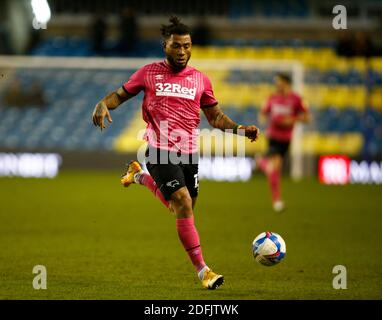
210,52
322,96
325,53
314,94
358,64
216,75
351,143
198,52
287,53
246,95
307,53
332,143
248,53
310,142
230,53
376,63
376,99
357,97
269,53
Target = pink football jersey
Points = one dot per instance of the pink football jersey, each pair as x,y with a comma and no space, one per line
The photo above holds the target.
279,106
171,104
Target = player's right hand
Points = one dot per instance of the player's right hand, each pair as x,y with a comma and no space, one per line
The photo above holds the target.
99,114
251,132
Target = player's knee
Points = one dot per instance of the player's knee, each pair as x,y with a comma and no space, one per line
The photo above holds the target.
279,162
181,199
274,163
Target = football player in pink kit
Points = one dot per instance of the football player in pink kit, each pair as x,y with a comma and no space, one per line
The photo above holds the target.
282,110
174,93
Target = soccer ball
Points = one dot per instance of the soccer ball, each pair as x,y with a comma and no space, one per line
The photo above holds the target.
268,248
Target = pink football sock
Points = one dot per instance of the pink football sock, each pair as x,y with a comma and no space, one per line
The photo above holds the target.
262,163
274,183
149,182
189,237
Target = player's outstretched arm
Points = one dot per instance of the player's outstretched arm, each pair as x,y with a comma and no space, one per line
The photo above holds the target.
263,115
305,116
217,119
112,101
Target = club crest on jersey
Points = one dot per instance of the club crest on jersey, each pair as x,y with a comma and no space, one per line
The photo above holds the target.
190,79
174,90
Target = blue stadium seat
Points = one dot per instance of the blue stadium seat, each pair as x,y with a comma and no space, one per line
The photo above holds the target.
65,123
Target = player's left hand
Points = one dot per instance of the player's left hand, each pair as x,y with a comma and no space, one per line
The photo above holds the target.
251,132
99,114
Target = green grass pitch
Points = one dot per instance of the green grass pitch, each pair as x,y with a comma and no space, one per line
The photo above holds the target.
101,241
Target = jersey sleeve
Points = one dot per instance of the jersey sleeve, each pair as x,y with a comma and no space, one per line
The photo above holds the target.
136,82
208,98
267,106
299,106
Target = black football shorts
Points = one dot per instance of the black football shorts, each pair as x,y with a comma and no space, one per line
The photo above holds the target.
277,147
169,176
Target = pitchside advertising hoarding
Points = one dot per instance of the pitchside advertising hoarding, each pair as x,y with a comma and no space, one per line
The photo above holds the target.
29,165
332,169
340,169
47,165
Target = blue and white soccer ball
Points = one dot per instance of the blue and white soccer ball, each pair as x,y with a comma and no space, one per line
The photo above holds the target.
268,248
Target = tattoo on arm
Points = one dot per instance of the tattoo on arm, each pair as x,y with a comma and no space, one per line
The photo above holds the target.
218,119
114,99
223,122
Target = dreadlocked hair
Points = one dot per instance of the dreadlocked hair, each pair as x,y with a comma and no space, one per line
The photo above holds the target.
175,27
285,77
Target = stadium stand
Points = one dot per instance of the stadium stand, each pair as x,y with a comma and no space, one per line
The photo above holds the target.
345,95
63,123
